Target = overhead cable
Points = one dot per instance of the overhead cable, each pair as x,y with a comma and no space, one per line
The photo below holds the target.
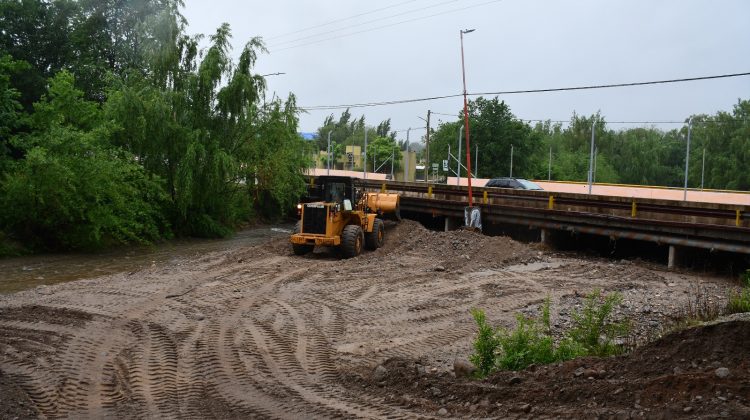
515,92
357,25
341,20
385,26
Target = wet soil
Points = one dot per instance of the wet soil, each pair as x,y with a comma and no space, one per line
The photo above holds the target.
679,375
256,332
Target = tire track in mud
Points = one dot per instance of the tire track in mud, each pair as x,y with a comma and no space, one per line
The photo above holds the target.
263,334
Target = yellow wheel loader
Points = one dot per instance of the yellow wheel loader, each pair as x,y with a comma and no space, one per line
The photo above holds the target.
344,216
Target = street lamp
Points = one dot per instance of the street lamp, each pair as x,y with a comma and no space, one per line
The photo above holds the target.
466,117
328,154
264,92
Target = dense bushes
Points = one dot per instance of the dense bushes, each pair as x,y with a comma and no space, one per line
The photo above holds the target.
73,190
138,134
531,342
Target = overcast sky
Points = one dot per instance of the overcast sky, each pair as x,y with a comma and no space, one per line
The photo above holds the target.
403,52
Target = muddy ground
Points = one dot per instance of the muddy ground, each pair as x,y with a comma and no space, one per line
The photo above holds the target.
259,333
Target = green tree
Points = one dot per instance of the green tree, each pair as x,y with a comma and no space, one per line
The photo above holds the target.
37,32
10,107
493,129
200,126
381,150
72,190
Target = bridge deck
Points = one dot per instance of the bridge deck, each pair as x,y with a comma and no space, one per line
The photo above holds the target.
696,224
716,220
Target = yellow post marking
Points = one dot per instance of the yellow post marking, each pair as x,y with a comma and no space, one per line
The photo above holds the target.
485,197
633,210
429,191
551,205
382,189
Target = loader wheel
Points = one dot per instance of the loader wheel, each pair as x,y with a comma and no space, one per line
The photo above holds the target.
351,241
374,239
301,249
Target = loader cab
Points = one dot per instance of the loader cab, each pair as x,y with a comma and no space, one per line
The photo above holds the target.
338,190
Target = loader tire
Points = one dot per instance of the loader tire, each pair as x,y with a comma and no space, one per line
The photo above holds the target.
352,239
301,249
374,239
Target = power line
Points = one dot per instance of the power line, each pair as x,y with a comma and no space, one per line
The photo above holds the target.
386,26
515,92
341,20
607,122
360,24
404,130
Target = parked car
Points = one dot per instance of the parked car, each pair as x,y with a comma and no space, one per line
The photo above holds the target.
515,183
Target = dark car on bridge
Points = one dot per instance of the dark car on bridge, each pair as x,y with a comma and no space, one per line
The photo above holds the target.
515,183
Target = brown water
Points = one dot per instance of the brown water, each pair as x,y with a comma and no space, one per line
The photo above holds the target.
22,273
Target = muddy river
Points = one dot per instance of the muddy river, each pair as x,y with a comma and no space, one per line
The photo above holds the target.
22,273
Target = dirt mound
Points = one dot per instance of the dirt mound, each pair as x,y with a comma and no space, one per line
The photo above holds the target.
449,250
454,248
701,372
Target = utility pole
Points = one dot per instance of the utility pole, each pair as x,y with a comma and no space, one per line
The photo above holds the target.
511,161
703,169
476,160
596,155
427,163
591,156
328,155
406,156
687,157
393,155
364,161
466,119
458,159
549,171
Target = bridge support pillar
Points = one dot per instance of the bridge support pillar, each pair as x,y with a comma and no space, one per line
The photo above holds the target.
674,257
545,239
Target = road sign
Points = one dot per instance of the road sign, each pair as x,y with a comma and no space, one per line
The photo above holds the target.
435,167
445,164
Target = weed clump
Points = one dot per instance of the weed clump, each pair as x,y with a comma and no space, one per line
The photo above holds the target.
485,345
739,301
531,342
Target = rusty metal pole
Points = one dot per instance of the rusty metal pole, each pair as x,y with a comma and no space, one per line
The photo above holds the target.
466,118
